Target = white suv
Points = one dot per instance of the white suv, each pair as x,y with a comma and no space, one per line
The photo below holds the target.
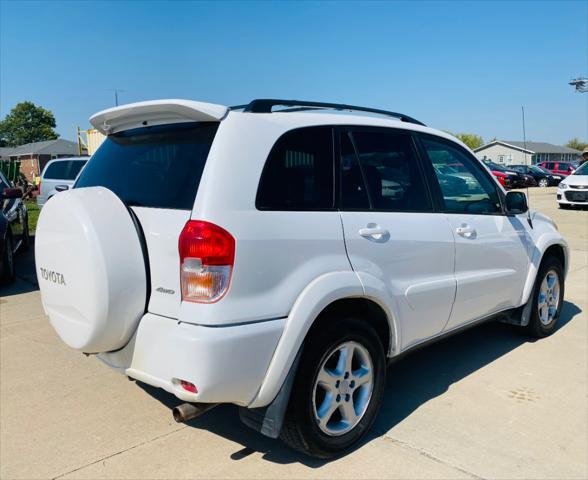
276,256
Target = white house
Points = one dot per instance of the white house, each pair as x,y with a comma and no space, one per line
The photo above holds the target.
509,152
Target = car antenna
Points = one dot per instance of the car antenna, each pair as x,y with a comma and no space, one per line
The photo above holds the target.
529,219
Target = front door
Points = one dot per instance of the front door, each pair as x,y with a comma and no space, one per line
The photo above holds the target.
491,249
395,242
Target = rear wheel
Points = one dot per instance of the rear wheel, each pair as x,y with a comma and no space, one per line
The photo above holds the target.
338,389
7,273
547,298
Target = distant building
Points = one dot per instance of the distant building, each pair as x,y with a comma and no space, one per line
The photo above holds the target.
34,156
509,152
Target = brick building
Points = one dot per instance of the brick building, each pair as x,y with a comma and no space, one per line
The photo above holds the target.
34,156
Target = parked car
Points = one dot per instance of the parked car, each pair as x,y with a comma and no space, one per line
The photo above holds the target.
514,178
279,261
14,227
573,190
559,168
59,175
542,176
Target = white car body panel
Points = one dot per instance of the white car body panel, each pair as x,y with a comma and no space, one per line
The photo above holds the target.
490,265
290,265
161,229
415,262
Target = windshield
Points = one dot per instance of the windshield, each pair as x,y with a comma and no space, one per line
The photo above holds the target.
582,170
537,169
156,167
495,166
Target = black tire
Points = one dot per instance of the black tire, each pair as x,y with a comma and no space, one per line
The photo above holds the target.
7,273
536,327
301,430
543,182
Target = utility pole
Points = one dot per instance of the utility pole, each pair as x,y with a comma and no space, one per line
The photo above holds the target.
116,92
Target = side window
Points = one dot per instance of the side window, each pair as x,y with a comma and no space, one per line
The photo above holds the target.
57,171
388,168
354,194
75,167
298,174
465,188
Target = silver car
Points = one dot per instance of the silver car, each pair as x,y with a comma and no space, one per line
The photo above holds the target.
59,175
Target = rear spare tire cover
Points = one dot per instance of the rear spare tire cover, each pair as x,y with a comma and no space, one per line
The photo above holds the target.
90,269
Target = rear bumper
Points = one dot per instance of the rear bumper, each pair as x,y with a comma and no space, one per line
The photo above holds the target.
227,364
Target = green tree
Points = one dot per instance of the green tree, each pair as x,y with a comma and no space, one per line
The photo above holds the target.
576,144
27,123
471,140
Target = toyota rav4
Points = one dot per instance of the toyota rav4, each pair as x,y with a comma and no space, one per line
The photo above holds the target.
278,255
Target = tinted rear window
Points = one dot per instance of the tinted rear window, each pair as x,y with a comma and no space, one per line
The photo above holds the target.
64,170
156,167
299,172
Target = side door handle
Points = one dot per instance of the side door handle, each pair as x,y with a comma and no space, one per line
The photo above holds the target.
373,232
466,231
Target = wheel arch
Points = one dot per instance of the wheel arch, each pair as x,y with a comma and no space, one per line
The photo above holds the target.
328,295
549,245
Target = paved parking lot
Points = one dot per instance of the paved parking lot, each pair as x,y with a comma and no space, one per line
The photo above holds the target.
487,403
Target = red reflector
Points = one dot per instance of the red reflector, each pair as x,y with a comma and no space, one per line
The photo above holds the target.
188,386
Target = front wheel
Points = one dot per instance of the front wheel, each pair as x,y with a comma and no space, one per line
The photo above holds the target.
547,299
338,389
543,182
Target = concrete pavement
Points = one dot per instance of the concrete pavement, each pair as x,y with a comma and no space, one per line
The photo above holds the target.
488,403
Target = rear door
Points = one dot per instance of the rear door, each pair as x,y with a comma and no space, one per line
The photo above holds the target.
155,171
394,239
491,249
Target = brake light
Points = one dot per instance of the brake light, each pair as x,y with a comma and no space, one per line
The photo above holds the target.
207,254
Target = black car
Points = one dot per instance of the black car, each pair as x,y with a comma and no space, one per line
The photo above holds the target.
542,176
14,227
516,179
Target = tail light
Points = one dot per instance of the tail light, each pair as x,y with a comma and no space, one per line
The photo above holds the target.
207,254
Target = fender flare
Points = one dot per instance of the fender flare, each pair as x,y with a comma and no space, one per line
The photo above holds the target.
315,297
541,245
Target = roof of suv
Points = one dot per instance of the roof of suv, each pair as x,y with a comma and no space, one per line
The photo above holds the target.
157,112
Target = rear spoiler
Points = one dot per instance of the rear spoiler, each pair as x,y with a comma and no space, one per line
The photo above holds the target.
156,112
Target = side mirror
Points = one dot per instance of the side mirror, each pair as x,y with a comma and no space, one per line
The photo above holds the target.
9,193
61,188
516,202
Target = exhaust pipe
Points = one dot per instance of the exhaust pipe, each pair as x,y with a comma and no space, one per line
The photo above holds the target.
187,411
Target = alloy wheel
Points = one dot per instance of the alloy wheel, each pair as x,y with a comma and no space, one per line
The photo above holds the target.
548,300
343,388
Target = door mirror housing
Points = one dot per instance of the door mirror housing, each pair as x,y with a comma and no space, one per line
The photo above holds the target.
516,203
9,193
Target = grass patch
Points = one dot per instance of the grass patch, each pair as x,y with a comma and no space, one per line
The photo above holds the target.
34,211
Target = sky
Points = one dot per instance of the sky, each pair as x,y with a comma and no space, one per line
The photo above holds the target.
457,66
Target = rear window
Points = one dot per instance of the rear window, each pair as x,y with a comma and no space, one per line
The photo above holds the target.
157,167
64,170
299,173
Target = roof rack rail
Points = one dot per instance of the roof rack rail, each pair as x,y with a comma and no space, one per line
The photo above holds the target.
265,105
